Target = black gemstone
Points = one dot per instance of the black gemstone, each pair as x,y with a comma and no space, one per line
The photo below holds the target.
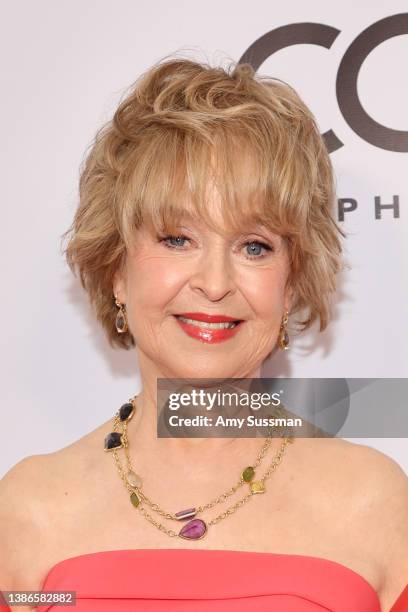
125,411
113,440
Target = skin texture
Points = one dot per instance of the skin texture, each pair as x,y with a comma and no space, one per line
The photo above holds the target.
207,272
328,498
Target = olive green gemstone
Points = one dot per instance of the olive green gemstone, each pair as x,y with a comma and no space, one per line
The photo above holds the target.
134,499
248,473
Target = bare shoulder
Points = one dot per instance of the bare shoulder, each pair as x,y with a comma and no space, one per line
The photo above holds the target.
23,492
370,491
384,504
371,468
20,482
378,481
33,505
371,481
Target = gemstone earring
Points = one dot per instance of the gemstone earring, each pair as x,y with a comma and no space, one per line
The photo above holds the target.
121,322
283,333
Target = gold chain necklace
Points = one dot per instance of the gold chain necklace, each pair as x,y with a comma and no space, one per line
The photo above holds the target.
195,529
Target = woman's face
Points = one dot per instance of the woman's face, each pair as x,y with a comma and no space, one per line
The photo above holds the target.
198,270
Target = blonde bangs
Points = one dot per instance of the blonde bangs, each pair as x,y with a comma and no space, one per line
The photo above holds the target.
177,170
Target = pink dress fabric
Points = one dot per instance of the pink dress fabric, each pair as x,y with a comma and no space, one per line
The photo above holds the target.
188,580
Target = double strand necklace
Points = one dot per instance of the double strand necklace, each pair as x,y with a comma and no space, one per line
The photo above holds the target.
195,528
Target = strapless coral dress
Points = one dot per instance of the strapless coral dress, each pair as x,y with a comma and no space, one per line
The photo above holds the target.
197,580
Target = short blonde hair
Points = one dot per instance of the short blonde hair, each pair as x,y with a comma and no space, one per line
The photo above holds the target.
183,124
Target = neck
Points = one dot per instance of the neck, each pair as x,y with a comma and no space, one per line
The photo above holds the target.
142,431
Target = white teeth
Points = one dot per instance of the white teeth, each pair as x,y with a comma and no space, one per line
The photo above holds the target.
224,325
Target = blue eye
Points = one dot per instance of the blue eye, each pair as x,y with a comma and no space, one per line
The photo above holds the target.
170,245
256,249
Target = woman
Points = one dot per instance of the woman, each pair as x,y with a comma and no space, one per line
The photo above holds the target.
207,198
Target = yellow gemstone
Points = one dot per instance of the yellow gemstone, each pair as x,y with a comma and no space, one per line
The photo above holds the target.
257,487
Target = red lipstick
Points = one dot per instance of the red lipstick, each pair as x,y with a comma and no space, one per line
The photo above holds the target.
209,335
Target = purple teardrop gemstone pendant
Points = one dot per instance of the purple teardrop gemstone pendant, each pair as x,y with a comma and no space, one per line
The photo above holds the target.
193,530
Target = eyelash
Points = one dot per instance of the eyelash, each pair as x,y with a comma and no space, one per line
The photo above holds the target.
264,245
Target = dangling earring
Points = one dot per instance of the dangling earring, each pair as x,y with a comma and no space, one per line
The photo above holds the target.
283,333
121,322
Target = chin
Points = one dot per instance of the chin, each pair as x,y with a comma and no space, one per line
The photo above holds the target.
210,371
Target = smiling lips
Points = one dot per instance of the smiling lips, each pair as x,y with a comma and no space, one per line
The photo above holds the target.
208,328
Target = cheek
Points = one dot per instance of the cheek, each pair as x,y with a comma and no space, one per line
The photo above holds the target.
265,292
154,281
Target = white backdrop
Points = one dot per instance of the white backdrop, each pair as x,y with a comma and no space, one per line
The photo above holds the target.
64,66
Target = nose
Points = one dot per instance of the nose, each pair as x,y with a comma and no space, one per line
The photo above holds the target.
213,275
